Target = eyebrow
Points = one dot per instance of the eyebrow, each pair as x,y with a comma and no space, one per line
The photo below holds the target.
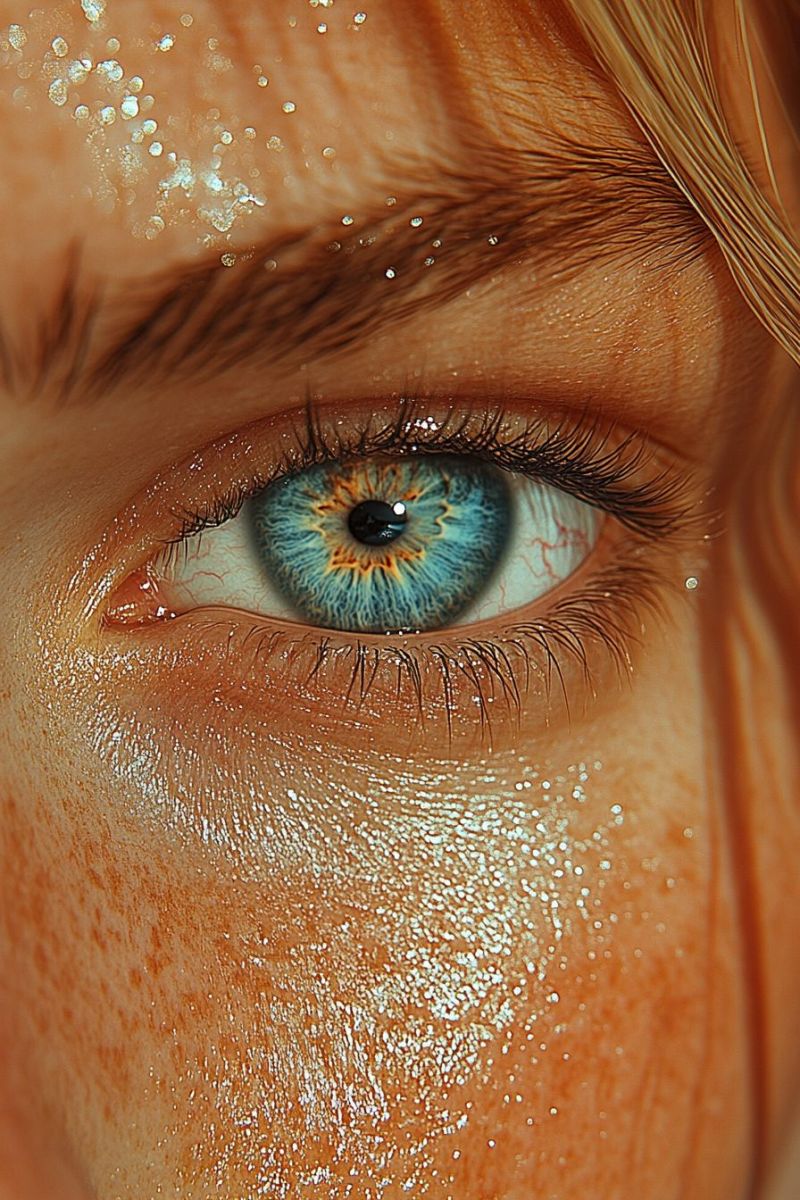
326,288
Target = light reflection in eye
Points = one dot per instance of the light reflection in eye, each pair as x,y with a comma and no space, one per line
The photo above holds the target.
381,545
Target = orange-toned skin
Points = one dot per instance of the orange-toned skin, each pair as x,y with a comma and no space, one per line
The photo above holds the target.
260,940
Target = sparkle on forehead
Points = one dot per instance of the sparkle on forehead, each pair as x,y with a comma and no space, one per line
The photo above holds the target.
93,10
220,198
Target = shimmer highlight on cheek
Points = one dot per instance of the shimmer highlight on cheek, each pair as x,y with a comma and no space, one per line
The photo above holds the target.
389,946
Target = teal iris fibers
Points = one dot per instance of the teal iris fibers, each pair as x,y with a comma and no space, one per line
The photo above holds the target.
458,523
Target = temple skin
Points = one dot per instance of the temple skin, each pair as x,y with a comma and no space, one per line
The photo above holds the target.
254,940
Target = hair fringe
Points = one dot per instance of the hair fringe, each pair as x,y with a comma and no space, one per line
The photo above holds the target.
658,54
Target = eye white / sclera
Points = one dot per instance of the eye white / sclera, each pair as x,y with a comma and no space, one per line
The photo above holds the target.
551,536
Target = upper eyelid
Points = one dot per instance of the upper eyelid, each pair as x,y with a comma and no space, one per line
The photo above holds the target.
577,454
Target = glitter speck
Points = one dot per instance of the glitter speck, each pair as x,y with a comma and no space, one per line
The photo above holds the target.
17,36
111,69
108,115
415,222
322,27
226,137
390,273
262,81
691,583
328,152
186,20
166,42
359,18
391,201
58,92
228,259
149,126
154,227
493,240
274,143
78,71
289,106
136,84
93,10
81,112
249,133
60,47
129,107
156,149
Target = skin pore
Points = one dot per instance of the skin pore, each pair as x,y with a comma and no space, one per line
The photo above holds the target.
267,931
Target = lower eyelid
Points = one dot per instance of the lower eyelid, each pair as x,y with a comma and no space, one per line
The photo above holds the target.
451,685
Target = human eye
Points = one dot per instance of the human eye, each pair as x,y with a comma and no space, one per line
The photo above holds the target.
456,550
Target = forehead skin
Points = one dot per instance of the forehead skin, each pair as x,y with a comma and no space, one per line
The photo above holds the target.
206,1020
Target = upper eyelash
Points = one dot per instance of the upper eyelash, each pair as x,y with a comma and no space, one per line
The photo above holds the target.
577,456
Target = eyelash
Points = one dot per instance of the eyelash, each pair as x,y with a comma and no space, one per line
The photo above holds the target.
573,456
617,475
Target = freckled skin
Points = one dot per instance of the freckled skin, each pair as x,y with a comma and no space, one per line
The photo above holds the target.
259,941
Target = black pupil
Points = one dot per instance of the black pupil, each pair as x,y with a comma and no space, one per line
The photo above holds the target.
374,522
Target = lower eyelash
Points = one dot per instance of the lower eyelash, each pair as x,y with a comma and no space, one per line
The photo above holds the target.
491,674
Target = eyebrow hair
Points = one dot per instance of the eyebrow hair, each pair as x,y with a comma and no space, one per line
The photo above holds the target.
323,289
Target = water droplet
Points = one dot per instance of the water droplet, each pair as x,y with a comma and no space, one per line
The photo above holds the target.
289,106
58,92
93,10
17,36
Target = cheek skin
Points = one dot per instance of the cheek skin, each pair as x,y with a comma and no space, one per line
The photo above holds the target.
372,1012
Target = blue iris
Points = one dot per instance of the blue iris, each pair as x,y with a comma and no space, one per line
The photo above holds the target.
380,544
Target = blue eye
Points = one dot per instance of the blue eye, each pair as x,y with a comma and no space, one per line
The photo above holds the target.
380,544
383,544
